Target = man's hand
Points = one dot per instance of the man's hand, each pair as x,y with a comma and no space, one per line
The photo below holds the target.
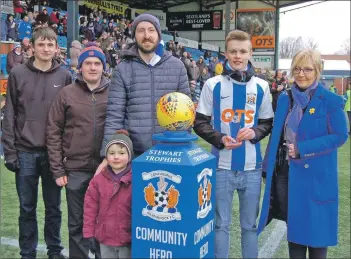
62,181
230,143
101,166
12,166
292,152
246,134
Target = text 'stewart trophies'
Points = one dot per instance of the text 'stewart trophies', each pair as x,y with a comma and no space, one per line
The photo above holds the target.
174,189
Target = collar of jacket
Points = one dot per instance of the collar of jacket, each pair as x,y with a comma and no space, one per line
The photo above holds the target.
131,52
104,83
55,65
126,179
228,72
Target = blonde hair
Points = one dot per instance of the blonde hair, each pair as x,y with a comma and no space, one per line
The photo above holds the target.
237,35
305,56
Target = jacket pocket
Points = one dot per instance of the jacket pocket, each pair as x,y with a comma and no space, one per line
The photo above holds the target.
67,143
33,132
325,184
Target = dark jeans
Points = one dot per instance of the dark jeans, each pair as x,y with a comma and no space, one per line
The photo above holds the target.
297,251
349,115
76,187
32,166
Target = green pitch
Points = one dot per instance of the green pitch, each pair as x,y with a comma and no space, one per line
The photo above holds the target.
10,210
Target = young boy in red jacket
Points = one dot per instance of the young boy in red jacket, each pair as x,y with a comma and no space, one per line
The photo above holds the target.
107,204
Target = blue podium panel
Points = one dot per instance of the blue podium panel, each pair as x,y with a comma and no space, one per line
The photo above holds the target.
173,202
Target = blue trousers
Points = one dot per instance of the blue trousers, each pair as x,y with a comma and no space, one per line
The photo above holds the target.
248,186
33,166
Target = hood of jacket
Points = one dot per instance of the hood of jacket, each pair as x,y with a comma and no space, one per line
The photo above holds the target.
55,65
103,83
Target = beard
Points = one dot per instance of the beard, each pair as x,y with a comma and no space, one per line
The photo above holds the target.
144,50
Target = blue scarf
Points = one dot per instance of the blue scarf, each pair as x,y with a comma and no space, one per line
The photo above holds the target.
238,75
158,53
301,101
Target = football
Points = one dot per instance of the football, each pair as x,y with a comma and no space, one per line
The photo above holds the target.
161,199
175,111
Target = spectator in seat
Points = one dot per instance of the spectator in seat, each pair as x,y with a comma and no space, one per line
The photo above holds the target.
25,44
11,28
18,9
25,28
74,52
3,29
201,64
14,58
53,17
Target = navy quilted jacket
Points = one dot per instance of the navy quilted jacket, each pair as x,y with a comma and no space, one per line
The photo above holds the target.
134,92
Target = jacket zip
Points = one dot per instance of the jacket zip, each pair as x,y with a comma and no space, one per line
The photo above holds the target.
152,103
94,114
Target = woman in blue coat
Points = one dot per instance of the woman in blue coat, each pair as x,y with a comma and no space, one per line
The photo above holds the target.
301,161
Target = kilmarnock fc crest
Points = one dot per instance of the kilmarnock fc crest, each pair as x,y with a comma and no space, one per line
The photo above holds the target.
251,98
161,203
204,193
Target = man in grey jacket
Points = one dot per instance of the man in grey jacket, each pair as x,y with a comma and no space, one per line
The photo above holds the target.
143,76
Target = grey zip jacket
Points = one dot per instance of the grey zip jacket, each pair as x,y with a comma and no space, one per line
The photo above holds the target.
135,90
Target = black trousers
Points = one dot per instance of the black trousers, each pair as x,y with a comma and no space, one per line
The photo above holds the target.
76,188
281,188
297,251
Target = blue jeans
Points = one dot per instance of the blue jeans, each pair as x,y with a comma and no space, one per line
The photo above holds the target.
248,186
32,166
1,147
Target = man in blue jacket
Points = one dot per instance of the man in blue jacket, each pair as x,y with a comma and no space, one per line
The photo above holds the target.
25,28
139,81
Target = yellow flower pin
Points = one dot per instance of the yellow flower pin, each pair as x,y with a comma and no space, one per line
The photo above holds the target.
312,110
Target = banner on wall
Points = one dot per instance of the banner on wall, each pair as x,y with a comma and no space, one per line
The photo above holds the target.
192,21
206,46
187,43
157,13
260,24
109,7
6,6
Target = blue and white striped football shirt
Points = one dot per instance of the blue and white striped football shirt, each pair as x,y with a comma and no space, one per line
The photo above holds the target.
228,101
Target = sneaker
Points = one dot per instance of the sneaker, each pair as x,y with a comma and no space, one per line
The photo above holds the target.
58,256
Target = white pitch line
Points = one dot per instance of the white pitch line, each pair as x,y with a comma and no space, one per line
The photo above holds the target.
271,245
14,243
267,250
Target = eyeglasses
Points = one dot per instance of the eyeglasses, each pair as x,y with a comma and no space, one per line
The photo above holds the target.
306,71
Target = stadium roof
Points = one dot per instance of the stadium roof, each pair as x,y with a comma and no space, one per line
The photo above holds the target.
164,4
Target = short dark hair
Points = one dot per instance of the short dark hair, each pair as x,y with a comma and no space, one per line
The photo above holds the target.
43,33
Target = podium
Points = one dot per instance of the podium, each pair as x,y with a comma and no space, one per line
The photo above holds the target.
173,199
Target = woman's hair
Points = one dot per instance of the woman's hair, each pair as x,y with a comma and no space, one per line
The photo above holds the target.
307,55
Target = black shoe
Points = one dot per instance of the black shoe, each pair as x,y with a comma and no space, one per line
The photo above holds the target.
58,256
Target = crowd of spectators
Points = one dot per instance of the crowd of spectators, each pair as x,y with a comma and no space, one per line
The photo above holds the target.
110,32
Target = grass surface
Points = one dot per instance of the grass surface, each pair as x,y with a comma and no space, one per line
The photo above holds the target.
10,210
